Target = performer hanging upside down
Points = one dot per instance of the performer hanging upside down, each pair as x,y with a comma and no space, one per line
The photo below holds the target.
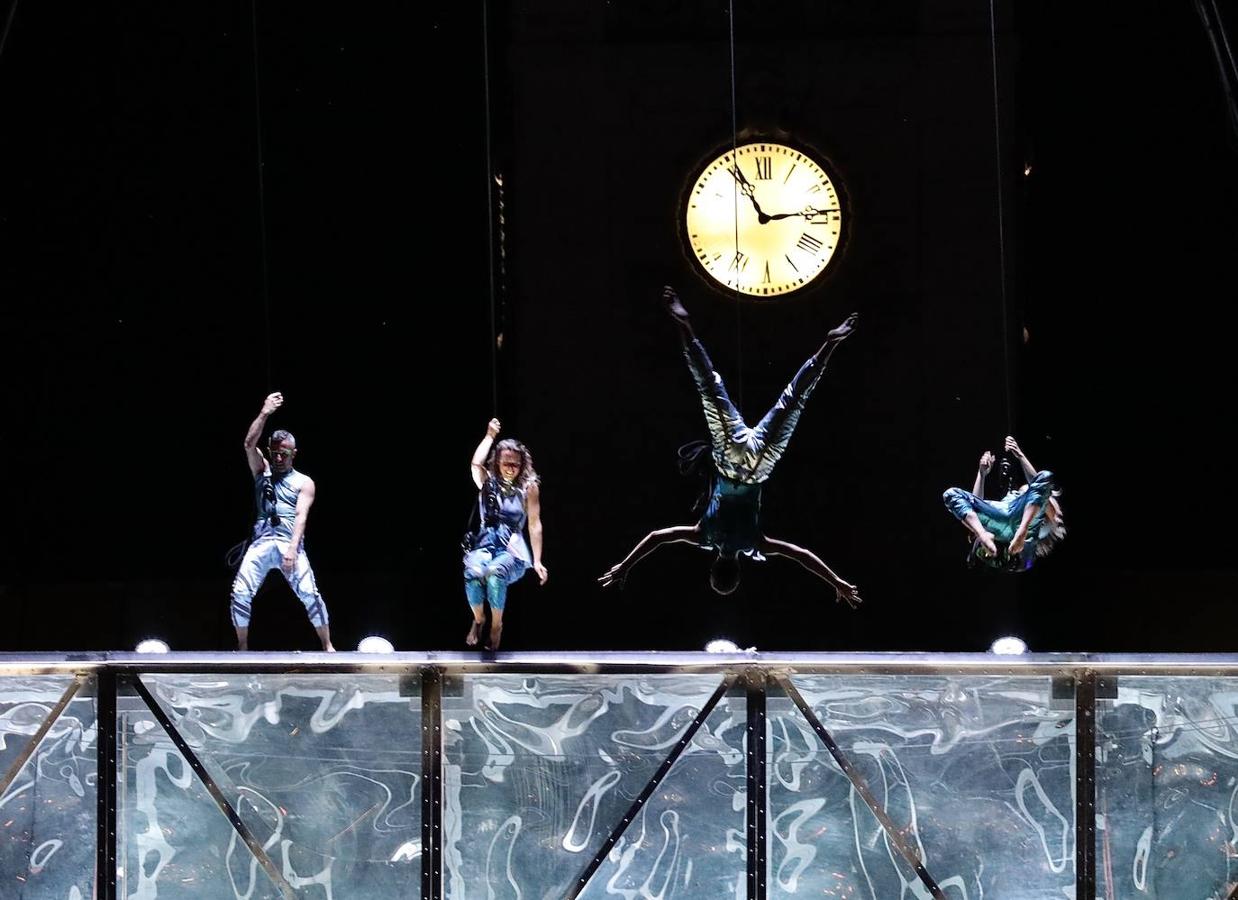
1028,521
509,496
283,497
743,458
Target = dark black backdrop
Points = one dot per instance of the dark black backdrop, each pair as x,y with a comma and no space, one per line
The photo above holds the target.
139,341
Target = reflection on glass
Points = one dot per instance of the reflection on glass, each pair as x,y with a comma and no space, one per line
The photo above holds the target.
538,770
47,815
1166,783
977,773
324,769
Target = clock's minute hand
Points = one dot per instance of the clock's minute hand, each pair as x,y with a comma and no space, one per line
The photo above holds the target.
749,191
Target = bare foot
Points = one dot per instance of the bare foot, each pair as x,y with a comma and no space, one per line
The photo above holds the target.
674,307
330,648
496,632
1016,545
986,541
474,634
843,331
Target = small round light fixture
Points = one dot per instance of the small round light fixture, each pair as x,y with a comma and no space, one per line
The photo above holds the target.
721,645
1008,646
152,645
375,644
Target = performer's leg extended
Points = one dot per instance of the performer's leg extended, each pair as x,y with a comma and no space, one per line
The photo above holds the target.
475,564
305,587
773,433
503,570
723,419
259,559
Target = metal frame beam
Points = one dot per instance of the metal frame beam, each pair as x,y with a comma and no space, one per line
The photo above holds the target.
225,806
431,784
35,739
758,782
893,835
105,785
1085,786
638,805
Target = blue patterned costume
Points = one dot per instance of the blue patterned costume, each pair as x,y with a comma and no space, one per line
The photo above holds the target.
501,555
743,457
1003,517
275,494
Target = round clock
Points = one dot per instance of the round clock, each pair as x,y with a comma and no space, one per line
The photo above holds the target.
764,218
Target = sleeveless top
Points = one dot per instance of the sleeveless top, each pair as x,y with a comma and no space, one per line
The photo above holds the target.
278,494
503,515
730,523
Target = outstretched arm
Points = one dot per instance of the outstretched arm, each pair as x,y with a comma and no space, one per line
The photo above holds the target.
813,563
257,462
686,534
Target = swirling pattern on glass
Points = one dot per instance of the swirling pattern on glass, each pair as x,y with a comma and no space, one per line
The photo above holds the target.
977,773
539,770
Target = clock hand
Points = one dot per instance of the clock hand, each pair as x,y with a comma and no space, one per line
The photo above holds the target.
807,212
749,191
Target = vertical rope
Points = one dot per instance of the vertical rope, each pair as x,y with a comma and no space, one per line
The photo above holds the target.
8,24
490,223
1227,67
1001,222
262,212
739,329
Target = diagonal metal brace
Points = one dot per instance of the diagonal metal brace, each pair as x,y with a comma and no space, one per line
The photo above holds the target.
904,849
628,817
37,737
225,807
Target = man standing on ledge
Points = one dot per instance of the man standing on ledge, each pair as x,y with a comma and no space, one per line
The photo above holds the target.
283,496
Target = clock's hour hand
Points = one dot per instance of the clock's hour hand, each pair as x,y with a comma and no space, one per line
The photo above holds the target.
808,213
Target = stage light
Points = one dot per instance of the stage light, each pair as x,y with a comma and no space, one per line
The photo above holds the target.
152,645
375,644
721,645
1008,646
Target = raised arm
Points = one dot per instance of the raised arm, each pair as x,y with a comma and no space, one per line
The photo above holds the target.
686,534
986,465
257,462
843,592
477,465
533,505
305,499
1012,447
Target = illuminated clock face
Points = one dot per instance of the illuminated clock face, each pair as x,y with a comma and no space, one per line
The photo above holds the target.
764,219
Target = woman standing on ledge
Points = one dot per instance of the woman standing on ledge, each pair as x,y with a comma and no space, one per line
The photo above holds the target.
508,497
